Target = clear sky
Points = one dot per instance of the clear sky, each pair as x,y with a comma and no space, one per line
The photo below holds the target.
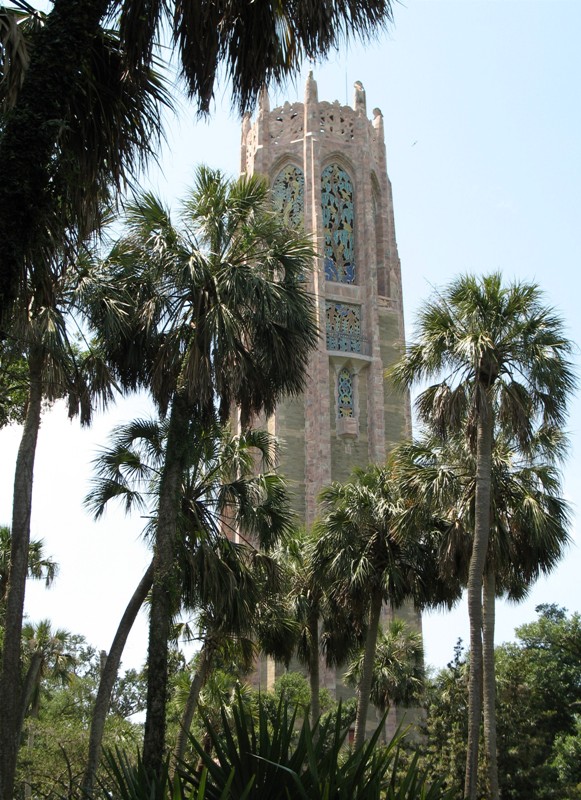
482,108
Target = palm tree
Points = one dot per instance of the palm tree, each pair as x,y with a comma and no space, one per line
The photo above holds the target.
253,43
502,359
224,495
370,560
305,596
528,528
40,567
528,538
398,669
108,121
241,623
216,316
45,654
55,370
90,129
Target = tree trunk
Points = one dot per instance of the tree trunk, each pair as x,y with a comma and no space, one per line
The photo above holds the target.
314,679
29,138
108,677
489,683
475,575
11,675
204,666
31,683
30,741
366,680
163,594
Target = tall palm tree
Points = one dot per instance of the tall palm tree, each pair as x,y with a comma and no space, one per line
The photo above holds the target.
214,315
305,589
227,490
252,43
500,357
56,369
106,123
528,535
371,560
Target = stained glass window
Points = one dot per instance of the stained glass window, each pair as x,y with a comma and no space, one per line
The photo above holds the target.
337,202
346,405
288,196
343,327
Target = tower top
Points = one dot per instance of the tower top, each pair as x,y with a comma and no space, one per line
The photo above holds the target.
337,125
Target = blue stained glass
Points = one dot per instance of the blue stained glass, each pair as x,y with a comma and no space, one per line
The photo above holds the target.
343,327
337,204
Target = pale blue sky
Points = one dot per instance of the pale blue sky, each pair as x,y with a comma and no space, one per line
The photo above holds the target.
482,108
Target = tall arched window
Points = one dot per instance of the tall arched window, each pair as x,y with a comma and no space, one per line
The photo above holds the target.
337,204
288,196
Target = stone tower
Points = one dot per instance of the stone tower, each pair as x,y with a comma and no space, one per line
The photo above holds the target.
327,167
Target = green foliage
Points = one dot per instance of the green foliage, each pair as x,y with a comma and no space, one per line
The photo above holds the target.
281,758
13,386
293,688
53,756
447,722
538,703
539,692
567,760
398,667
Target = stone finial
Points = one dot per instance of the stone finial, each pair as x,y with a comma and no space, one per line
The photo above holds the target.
263,101
378,122
311,92
360,104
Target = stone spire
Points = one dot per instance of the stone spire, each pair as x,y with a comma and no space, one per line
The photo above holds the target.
359,103
311,92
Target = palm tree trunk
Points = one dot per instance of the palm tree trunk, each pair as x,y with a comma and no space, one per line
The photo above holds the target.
314,678
475,576
30,740
30,133
204,666
489,683
163,594
31,683
108,678
10,675
367,669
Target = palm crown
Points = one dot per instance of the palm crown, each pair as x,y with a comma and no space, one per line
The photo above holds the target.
481,336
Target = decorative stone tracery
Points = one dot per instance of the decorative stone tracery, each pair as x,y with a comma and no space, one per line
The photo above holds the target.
343,327
288,196
345,394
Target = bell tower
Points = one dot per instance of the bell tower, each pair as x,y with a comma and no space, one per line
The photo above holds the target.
326,164
327,168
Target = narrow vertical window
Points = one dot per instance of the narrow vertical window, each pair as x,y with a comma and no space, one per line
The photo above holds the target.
337,207
345,399
288,196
